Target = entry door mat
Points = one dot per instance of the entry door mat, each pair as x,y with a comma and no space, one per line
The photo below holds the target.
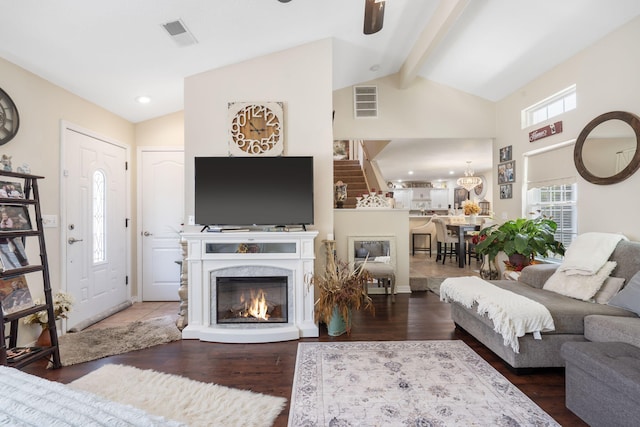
404,383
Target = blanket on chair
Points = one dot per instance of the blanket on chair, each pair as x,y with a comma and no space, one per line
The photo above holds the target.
513,315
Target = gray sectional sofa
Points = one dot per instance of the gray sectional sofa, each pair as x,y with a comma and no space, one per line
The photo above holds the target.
568,313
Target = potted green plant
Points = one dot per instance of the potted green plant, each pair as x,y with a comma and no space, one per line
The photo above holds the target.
340,291
521,240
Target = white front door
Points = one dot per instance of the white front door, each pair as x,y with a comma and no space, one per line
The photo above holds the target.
161,201
95,223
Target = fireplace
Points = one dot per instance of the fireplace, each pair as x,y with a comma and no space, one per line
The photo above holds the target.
251,299
229,287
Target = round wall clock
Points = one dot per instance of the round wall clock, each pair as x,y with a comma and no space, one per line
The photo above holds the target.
9,119
256,128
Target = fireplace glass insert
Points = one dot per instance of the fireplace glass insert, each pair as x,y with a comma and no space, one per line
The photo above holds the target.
251,299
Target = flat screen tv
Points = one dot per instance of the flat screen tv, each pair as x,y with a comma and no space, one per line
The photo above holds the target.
245,191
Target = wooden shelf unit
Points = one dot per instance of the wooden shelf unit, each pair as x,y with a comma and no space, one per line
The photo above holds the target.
31,198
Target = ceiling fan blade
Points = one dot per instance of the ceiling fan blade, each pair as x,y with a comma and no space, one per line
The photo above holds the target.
373,16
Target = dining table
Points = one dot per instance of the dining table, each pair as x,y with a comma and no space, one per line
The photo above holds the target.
461,229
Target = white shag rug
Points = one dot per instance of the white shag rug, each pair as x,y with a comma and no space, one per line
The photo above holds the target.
404,383
182,399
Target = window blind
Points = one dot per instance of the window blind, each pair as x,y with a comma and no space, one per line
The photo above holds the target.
552,166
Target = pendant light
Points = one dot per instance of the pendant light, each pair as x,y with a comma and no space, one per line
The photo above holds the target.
468,181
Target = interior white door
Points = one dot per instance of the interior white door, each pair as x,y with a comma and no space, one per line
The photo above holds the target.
95,236
162,204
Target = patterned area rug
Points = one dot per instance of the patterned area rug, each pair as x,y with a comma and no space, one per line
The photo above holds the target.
404,383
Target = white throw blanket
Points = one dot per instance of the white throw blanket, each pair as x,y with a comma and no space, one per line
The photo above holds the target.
27,400
588,252
513,315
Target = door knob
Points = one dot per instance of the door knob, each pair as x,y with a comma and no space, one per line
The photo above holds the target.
146,233
72,240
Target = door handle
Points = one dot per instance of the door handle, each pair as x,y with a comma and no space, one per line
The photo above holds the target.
146,233
72,240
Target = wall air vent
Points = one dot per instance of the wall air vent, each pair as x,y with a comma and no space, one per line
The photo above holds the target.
179,33
365,101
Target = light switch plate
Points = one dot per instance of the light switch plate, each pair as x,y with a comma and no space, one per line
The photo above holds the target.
49,221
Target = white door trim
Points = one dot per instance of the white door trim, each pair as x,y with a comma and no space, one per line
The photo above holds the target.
63,217
139,231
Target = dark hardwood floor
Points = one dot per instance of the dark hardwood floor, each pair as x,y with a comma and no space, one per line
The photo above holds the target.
269,368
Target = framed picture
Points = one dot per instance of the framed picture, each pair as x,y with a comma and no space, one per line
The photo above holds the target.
11,190
12,254
14,218
505,154
507,172
506,191
15,295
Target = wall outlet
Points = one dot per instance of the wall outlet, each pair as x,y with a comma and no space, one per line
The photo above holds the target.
49,221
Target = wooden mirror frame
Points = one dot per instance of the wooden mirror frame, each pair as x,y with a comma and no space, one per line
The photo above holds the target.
629,118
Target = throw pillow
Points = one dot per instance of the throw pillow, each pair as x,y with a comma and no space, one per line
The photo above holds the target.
609,288
579,286
629,297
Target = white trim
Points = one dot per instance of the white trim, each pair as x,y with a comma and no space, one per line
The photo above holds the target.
64,125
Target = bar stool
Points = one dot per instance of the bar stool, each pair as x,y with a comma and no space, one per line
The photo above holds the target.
427,230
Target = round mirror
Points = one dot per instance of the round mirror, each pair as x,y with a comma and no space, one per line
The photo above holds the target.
606,150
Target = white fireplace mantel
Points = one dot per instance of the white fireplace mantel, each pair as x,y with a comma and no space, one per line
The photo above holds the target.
211,252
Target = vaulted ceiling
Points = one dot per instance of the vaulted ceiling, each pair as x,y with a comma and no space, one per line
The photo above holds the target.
114,51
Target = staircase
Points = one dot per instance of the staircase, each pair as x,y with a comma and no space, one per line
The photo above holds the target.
350,172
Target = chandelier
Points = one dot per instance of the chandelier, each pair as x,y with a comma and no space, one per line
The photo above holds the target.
468,181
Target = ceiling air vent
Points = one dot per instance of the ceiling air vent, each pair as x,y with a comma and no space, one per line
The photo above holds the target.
365,101
179,33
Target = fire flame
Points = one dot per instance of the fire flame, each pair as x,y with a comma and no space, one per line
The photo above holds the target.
257,306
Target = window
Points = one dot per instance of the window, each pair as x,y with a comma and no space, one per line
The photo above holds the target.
99,203
553,106
557,202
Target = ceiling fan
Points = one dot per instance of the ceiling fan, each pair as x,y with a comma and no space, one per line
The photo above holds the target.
373,15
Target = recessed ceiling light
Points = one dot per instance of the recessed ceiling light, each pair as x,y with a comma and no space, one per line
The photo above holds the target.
374,67
410,172
143,99
451,172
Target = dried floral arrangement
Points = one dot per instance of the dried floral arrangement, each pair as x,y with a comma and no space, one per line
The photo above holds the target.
344,288
470,207
62,303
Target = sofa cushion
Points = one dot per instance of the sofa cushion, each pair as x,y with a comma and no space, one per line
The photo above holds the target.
615,364
609,288
577,285
568,313
536,275
629,297
612,328
627,255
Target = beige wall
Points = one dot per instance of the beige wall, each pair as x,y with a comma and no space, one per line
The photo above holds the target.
424,110
377,223
301,78
42,106
606,78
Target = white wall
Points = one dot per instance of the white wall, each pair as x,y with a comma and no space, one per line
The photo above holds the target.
301,78
606,75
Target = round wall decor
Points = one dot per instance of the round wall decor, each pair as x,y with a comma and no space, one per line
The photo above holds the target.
256,128
9,119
